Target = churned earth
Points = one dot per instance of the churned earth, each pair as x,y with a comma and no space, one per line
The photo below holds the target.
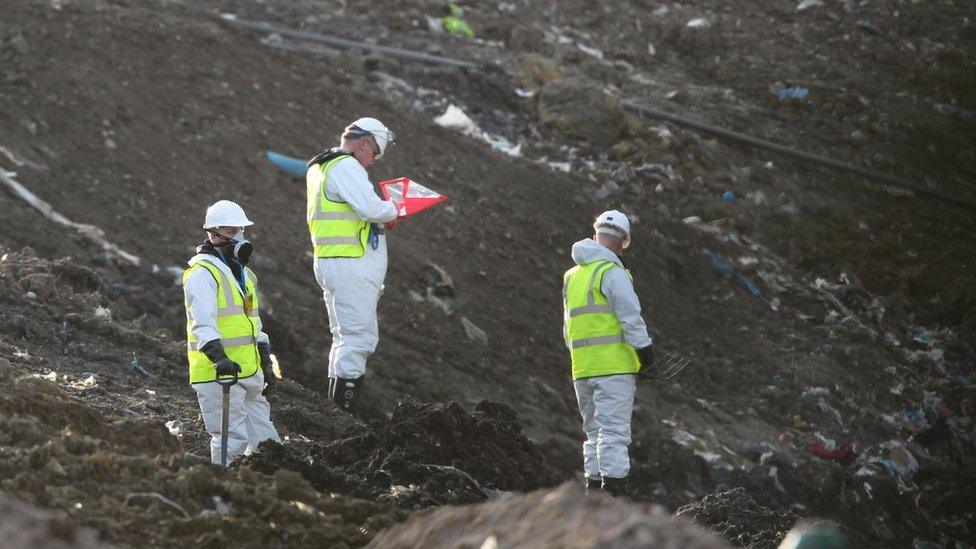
819,311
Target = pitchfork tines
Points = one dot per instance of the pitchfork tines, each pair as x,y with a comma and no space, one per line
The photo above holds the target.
668,366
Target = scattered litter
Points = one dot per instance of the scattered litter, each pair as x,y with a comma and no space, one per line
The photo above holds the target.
807,4
138,368
843,454
651,50
816,392
473,332
869,27
796,92
691,220
175,427
728,196
454,23
30,295
103,313
699,23
524,93
897,460
454,118
728,272
595,52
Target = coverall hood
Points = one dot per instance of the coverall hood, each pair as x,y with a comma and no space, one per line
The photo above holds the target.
589,250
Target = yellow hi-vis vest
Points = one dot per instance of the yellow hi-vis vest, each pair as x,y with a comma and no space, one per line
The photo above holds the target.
336,229
237,317
595,338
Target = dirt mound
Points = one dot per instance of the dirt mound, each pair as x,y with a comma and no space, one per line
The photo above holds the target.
561,517
424,455
737,517
26,526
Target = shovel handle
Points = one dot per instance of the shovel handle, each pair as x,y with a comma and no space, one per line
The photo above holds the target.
226,383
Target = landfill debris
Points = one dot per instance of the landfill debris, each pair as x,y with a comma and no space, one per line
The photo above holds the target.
456,119
594,52
896,460
698,23
293,166
807,4
796,92
138,368
728,272
728,196
816,392
869,27
473,332
454,23
91,232
843,454
175,427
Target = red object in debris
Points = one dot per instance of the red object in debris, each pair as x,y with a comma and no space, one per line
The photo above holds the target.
410,196
782,436
843,454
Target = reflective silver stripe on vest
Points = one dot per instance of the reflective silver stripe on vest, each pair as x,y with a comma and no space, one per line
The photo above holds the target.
588,309
319,215
230,308
591,306
602,340
226,342
336,240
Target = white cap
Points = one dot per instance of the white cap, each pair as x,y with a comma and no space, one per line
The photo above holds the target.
225,213
374,127
613,223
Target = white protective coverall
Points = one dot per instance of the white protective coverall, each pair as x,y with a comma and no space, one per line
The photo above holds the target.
250,414
607,402
352,286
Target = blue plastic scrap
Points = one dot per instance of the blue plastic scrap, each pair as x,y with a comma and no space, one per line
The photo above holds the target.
796,92
294,166
138,368
728,272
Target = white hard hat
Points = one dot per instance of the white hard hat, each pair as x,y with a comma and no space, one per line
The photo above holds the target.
613,223
374,127
225,213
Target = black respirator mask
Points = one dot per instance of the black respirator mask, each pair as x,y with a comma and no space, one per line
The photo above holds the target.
237,246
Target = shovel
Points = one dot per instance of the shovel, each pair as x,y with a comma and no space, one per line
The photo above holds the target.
225,417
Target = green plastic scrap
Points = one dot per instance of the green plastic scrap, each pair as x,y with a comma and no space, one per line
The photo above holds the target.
454,23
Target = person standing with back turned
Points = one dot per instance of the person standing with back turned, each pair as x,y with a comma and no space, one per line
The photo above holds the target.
345,218
608,342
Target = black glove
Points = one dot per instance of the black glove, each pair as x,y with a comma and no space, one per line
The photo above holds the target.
646,356
215,352
227,367
264,350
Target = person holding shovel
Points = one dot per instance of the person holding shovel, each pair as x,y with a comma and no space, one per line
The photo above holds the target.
228,353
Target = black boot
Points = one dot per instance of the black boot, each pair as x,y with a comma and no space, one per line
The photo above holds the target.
592,485
616,487
345,392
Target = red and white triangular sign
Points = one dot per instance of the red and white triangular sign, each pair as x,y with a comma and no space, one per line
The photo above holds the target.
412,197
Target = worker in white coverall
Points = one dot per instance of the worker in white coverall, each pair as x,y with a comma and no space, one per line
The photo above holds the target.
608,342
345,220
224,335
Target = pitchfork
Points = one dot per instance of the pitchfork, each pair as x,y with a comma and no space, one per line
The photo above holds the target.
666,367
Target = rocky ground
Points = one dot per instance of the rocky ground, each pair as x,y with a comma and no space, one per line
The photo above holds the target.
831,321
